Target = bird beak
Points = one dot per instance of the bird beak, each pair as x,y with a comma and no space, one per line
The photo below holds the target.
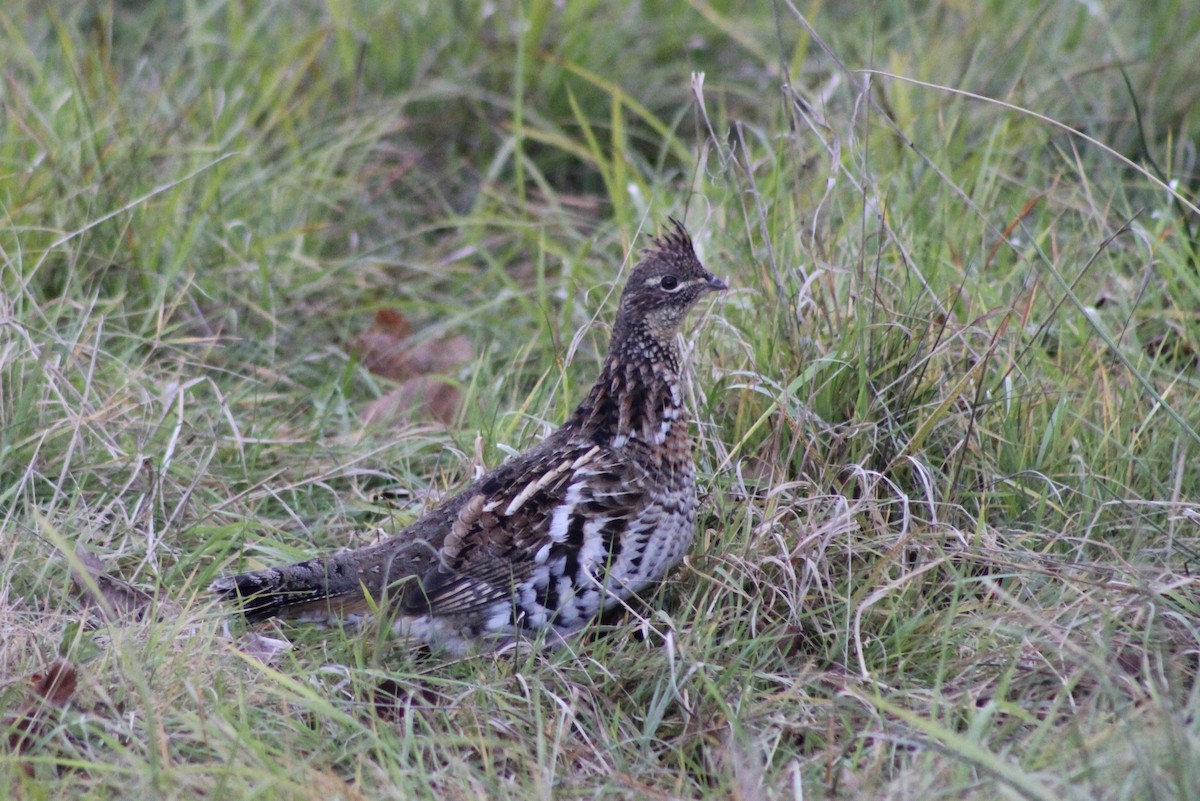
716,284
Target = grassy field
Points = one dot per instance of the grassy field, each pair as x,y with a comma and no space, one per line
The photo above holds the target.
947,419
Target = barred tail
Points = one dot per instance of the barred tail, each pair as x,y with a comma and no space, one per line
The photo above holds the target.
330,587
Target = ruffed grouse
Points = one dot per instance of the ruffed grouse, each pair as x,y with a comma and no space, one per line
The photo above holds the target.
592,516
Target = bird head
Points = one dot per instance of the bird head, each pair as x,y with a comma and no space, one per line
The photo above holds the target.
665,284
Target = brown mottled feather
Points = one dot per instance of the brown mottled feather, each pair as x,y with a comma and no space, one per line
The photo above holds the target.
600,509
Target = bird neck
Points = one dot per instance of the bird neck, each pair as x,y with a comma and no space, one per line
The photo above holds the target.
639,393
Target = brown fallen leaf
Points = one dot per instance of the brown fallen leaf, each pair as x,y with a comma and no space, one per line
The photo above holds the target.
391,700
435,395
115,598
391,350
381,347
49,691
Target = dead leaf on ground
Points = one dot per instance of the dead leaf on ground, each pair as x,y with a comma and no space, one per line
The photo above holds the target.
391,350
267,650
392,701
115,598
49,691
439,398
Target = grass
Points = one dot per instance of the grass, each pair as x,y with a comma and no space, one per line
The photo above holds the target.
947,434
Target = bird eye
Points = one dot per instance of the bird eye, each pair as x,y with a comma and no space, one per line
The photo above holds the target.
670,283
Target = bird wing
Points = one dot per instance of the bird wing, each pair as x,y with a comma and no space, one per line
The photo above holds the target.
516,517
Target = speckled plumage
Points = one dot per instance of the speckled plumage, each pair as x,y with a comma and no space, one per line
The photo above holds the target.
588,518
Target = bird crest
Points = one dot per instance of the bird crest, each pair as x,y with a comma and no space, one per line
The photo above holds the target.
674,244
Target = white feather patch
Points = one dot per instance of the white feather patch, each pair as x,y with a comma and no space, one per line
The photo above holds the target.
560,520
593,553
499,617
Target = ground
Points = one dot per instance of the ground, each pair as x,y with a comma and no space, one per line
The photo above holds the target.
276,276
